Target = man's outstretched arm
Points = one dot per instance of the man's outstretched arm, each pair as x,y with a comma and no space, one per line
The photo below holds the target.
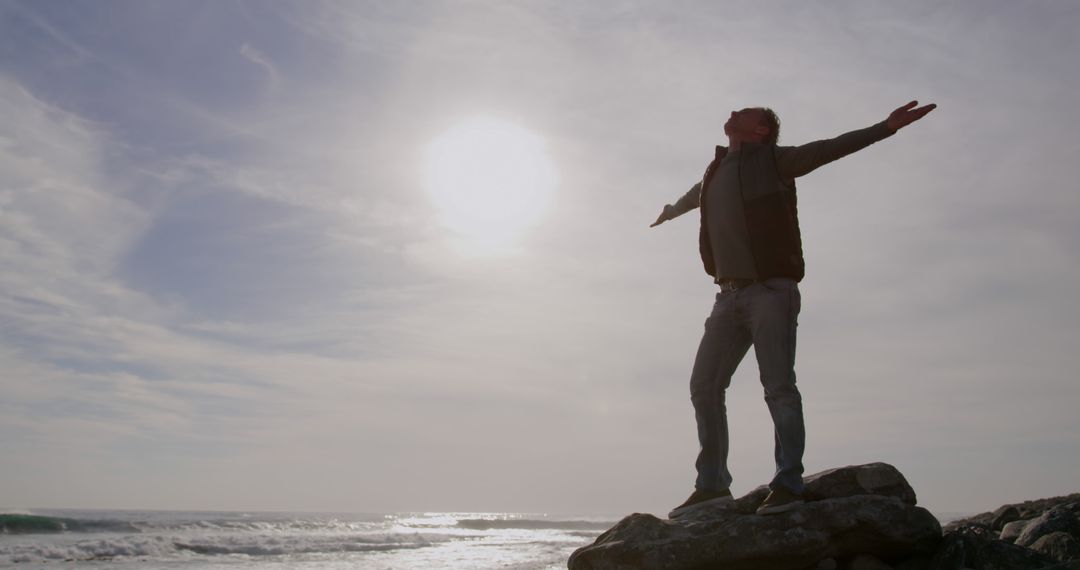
796,161
689,201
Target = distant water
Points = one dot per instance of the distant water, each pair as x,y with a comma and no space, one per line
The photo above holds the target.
180,540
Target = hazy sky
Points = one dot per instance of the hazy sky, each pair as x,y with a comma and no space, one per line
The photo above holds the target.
224,283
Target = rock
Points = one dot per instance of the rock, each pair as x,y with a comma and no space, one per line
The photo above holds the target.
827,564
860,517
1060,546
1063,518
917,563
1003,516
1012,530
867,562
869,479
865,509
976,547
1027,509
950,554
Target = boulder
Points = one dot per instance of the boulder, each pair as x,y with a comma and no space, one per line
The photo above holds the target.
917,563
851,511
867,562
1012,530
869,479
1060,546
978,548
1003,516
1063,518
1027,510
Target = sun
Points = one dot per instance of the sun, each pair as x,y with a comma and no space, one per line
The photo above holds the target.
489,180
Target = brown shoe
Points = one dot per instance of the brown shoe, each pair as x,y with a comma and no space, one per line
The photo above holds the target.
701,498
780,500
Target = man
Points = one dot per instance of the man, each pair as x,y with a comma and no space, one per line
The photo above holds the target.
751,245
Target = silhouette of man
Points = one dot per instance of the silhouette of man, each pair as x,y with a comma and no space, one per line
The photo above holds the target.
751,245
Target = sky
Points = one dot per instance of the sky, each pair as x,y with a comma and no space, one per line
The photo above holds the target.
230,280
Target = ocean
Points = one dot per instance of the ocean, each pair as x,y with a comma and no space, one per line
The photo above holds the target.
182,540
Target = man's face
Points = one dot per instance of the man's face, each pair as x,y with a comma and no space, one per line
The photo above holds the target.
745,124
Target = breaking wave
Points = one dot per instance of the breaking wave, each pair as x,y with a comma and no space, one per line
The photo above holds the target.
33,524
165,547
531,524
186,536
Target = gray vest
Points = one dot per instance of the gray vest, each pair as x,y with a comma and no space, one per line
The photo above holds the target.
771,212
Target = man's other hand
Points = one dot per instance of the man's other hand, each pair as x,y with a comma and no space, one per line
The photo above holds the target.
907,114
660,219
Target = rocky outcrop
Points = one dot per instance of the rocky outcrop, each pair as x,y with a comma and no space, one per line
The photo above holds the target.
1024,511
1063,518
1011,531
861,515
1059,546
1037,534
978,548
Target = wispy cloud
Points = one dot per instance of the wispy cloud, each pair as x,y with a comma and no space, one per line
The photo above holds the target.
255,56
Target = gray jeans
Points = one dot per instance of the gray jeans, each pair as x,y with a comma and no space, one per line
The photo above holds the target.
763,314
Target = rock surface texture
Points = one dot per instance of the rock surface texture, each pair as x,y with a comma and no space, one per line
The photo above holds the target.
978,549
1042,534
861,517
863,514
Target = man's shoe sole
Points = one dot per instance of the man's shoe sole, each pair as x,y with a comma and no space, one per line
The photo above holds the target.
717,501
779,508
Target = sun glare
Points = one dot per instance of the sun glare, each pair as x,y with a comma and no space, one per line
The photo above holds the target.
489,180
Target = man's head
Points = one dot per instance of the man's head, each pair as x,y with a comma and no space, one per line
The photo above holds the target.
753,124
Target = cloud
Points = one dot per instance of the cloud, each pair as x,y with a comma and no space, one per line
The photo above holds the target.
76,333
107,367
255,56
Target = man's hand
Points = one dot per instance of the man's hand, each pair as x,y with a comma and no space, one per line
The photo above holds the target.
660,219
906,115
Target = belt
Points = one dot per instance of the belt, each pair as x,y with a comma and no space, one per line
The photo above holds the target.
732,284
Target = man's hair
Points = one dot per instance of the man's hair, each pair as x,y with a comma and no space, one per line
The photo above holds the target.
773,122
